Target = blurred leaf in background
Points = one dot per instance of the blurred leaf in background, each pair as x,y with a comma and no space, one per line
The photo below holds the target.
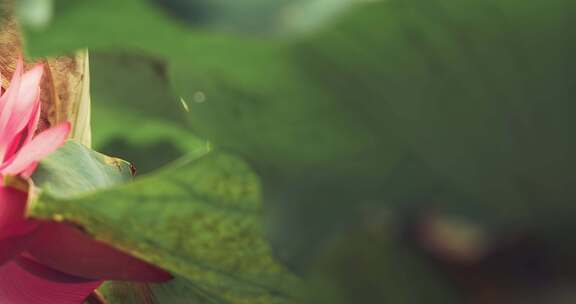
137,116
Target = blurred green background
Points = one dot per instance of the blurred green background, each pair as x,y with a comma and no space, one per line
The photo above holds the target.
407,151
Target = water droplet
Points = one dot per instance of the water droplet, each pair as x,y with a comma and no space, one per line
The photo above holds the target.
199,97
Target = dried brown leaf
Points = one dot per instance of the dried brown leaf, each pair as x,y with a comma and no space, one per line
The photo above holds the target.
65,85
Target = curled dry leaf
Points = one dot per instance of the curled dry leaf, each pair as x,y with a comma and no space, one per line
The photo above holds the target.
67,94
65,85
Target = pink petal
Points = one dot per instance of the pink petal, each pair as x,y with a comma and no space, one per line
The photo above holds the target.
11,247
25,136
29,89
22,109
67,249
15,231
12,206
7,103
39,147
26,282
13,147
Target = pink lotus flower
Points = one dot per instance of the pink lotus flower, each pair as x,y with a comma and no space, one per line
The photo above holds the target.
46,262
